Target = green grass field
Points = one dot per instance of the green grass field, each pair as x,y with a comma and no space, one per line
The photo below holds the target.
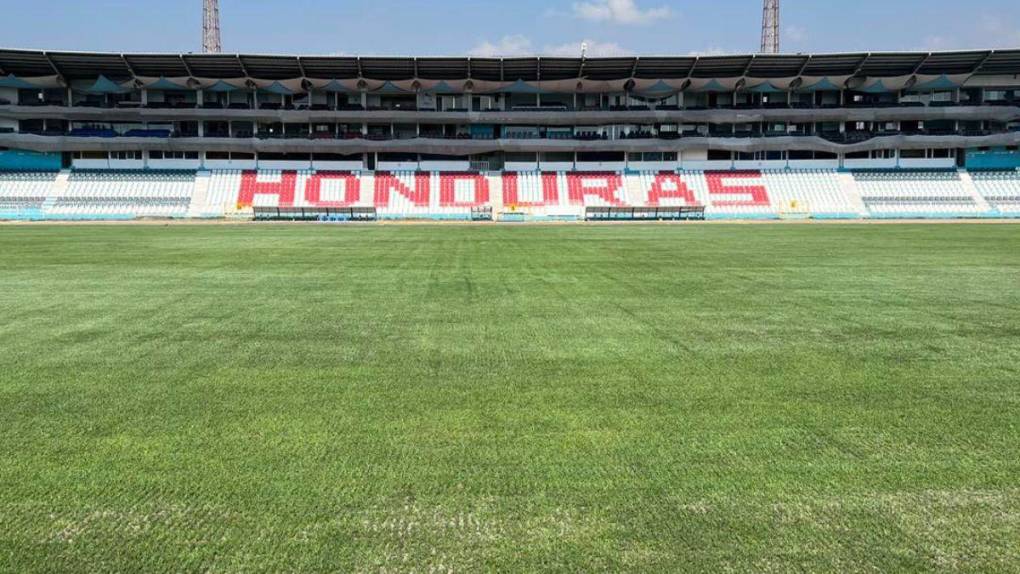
748,398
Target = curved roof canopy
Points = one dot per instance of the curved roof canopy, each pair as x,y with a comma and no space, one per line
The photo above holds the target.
71,66
657,89
163,83
821,85
278,88
221,86
12,81
104,85
390,88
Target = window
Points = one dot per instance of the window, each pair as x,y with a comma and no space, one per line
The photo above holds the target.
519,157
288,157
336,157
389,157
90,155
155,154
601,156
558,157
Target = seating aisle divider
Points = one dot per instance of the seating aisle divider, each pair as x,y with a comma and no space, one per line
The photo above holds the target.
849,186
200,195
57,190
968,184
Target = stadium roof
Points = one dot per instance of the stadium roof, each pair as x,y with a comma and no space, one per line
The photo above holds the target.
87,65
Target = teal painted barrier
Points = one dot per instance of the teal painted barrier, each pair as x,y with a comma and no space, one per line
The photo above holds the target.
23,215
21,160
742,216
83,217
556,218
922,215
836,216
428,217
995,158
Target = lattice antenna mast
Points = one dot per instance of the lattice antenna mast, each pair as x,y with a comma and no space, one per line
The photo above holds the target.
211,27
770,27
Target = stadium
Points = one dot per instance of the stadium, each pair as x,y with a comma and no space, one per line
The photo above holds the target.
852,136
693,313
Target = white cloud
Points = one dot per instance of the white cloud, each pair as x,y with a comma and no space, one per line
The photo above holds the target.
997,32
934,44
596,49
519,45
516,45
795,34
711,52
991,31
619,12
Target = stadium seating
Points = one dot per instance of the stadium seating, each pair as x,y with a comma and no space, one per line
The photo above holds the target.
935,194
1001,189
124,195
819,193
222,194
23,194
401,194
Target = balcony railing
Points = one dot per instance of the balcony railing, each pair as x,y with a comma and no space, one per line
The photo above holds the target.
836,137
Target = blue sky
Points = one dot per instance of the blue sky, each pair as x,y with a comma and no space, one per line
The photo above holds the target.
510,27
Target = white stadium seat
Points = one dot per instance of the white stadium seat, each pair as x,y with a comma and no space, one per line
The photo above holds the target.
770,194
124,195
1001,189
935,194
23,194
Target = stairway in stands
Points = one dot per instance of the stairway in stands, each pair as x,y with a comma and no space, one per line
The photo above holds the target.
849,187
200,195
634,189
968,185
57,190
495,193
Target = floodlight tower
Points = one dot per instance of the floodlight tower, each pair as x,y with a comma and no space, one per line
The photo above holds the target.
770,27
211,27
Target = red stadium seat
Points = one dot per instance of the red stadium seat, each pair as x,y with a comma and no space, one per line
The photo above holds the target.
603,185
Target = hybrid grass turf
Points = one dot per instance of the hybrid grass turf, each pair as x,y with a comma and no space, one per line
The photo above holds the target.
453,399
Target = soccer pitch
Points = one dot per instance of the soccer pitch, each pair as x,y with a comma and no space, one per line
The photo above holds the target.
495,398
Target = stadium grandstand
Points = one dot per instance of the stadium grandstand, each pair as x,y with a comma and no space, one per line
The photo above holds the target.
856,135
